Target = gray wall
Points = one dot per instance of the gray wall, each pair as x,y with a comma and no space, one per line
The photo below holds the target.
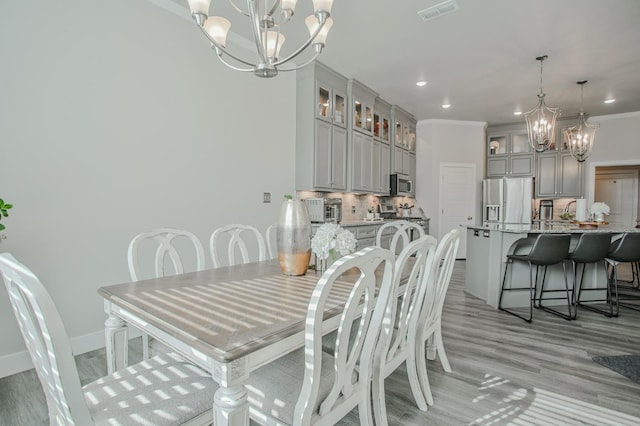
115,117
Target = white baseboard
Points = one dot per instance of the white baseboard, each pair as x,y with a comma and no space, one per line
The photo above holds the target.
20,361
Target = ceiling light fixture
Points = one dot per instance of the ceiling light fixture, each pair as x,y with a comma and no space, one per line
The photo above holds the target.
517,113
265,25
581,137
421,83
541,121
446,106
609,101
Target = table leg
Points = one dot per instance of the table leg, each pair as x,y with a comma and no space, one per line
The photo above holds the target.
230,402
116,342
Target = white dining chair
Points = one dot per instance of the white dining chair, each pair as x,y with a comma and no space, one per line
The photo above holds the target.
309,386
162,241
271,240
402,233
429,325
412,267
235,238
163,390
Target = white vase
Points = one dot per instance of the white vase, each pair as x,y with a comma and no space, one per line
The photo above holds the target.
598,217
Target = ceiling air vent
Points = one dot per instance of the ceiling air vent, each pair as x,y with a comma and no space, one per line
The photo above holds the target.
438,10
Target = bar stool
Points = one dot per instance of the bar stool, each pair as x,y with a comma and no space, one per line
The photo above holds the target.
548,249
625,249
591,249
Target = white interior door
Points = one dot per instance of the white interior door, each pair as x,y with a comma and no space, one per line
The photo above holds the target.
619,190
457,200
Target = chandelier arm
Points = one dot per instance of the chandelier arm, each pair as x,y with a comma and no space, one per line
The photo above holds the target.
233,67
303,47
240,11
273,8
303,65
220,50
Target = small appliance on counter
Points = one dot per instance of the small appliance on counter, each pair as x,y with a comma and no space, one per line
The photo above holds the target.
507,200
323,210
388,211
546,209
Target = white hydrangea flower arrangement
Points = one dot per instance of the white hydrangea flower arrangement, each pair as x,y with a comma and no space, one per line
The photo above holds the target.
599,208
331,239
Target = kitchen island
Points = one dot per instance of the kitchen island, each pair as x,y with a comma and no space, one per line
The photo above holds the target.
487,249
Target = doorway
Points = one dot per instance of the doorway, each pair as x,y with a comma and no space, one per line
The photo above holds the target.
618,187
457,201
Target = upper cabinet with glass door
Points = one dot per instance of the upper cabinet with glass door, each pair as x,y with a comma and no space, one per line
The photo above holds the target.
362,100
331,103
509,152
381,117
508,142
404,129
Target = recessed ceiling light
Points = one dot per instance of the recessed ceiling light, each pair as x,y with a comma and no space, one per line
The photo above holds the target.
517,113
421,83
445,106
609,101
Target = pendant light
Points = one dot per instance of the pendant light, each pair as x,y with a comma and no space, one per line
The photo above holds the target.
266,19
581,137
541,121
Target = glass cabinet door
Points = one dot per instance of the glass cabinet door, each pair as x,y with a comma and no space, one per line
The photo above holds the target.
497,145
324,109
339,111
368,122
376,124
405,136
412,138
398,134
385,129
520,143
357,114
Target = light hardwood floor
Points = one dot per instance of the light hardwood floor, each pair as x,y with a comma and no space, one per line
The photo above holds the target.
505,371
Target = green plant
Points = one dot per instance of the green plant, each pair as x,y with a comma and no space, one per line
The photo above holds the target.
3,211
288,197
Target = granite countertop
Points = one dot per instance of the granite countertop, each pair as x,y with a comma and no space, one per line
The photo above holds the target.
362,222
555,227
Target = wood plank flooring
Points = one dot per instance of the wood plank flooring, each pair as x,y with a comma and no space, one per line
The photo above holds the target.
505,371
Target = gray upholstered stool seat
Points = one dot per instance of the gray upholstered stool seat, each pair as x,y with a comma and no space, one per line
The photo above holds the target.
591,249
547,249
623,250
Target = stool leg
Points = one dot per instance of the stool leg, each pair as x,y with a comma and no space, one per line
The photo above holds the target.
568,295
531,288
610,299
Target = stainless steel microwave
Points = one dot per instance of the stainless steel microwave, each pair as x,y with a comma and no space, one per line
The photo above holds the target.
401,184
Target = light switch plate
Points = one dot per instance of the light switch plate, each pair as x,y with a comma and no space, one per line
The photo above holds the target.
266,197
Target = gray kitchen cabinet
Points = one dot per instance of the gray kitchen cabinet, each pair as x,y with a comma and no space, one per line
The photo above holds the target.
401,160
403,139
509,154
321,135
330,157
364,176
558,175
385,169
362,162
412,170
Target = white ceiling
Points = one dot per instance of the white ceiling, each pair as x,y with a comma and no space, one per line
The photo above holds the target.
482,58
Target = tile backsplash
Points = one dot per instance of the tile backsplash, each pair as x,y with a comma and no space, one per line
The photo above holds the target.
355,206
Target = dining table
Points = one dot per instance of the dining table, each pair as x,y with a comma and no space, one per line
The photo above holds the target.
229,321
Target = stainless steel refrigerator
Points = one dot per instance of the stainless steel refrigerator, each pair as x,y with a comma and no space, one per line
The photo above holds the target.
507,200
